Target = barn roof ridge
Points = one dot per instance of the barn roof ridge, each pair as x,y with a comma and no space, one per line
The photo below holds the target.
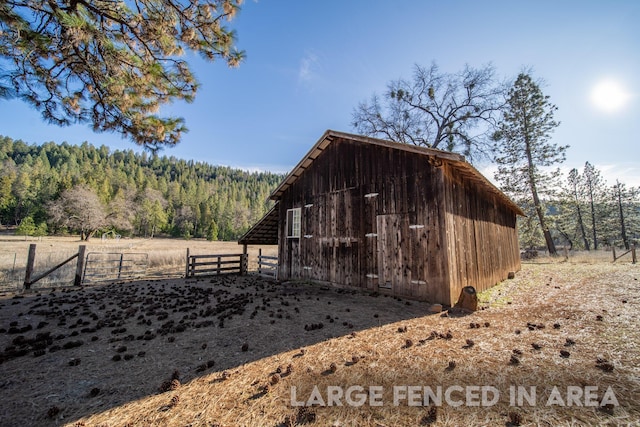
456,159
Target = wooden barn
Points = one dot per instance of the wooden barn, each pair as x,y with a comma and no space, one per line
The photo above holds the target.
394,218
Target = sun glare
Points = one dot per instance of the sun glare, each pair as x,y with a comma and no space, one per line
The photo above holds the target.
609,96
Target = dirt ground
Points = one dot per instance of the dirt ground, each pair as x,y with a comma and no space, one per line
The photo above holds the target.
228,351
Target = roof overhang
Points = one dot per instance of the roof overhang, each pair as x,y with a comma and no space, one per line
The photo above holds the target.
264,232
456,160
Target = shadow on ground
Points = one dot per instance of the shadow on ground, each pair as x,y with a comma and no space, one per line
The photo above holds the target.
74,352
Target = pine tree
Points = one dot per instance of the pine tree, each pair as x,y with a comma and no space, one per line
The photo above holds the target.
595,190
626,203
26,227
139,197
111,63
573,206
523,149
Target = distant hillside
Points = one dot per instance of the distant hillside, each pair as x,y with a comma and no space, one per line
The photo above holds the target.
125,192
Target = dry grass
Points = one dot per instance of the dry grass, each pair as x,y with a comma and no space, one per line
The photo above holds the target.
166,256
594,305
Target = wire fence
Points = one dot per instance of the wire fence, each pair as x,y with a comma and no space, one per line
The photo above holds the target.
118,260
14,265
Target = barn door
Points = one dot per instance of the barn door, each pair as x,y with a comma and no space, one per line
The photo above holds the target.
393,251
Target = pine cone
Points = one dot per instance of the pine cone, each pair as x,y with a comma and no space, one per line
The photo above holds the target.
174,400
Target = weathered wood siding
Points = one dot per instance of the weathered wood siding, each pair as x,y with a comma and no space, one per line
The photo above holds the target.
482,240
372,217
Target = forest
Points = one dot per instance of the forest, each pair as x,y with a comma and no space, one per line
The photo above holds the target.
583,212
55,188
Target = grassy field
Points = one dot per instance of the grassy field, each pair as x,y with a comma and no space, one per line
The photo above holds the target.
229,351
166,256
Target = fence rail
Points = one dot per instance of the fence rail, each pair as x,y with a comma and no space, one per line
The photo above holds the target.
214,264
632,251
267,265
31,259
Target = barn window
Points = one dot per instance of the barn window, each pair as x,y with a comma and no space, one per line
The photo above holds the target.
293,222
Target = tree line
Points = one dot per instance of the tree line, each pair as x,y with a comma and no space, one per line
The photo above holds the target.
63,188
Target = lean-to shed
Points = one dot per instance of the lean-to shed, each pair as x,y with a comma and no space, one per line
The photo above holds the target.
394,218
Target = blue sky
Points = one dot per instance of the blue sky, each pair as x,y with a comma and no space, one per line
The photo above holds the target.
309,63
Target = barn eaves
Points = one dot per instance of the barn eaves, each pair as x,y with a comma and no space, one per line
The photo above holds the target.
436,156
264,232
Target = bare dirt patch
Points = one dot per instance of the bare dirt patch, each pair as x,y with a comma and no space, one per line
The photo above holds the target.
227,351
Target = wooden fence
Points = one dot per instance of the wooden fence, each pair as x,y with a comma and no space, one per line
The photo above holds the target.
634,259
267,265
31,259
215,264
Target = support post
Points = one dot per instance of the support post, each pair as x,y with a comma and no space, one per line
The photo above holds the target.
633,254
244,264
186,270
30,262
259,260
614,253
80,265
244,261
120,266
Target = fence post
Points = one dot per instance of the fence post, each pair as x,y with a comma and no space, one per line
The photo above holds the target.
218,269
633,254
80,265
244,264
186,271
30,261
259,260
614,253
120,266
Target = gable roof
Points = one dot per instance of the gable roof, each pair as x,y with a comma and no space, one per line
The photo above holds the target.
265,232
456,160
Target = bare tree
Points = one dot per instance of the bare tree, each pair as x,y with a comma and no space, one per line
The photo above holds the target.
79,208
454,112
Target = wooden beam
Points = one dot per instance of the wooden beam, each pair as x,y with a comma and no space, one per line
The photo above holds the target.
30,261
82,249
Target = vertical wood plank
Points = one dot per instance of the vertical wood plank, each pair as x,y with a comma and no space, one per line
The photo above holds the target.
31,258
82,249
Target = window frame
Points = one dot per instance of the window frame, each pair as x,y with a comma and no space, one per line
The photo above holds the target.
294,223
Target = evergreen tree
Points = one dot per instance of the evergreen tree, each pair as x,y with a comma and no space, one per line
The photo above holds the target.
570,221
212,233
26,228
524,149
139,195
595,191
111,63
626,202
